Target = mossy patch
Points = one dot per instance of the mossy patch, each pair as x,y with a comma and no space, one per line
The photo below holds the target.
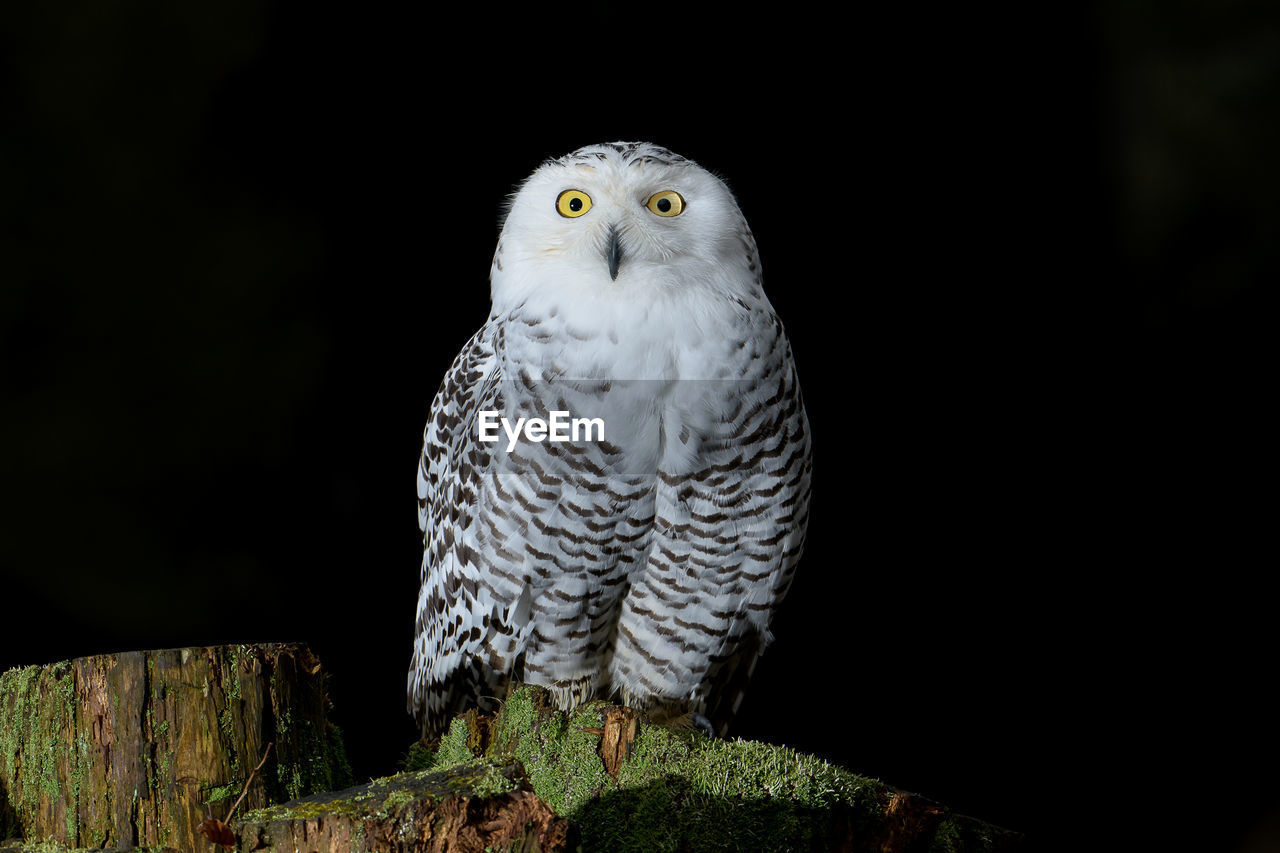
36,706
477,804
391,794
419,757
961,834
453,747
677,789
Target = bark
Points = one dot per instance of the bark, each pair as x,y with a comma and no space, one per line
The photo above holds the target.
138,748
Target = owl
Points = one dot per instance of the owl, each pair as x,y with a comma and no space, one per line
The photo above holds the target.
613,489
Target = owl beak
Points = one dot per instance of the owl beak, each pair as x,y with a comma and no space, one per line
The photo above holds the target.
613,253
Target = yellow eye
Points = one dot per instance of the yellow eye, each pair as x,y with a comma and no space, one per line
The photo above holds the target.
573,203
666,203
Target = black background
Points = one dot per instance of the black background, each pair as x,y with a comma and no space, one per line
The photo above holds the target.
1026,260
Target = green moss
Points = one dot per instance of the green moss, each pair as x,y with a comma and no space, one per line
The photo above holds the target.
399,799
235,655
387,797
38,708
336,758
306,810
486,781
222,792
38,736
321,764
419,757
961,834
225,724
946,839
79,764
453,747
677,789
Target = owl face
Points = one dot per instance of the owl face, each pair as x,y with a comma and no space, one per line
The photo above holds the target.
617,221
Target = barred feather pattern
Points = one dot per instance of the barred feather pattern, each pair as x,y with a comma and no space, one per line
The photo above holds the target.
645,566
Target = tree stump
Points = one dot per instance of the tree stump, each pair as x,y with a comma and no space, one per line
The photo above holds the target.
630,785
137,748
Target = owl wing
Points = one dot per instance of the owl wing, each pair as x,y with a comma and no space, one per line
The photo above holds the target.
460,628
770,518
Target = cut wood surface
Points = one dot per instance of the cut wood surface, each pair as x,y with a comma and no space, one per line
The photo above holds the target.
138,748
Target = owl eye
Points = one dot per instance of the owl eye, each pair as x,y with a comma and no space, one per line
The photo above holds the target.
666,203
573,203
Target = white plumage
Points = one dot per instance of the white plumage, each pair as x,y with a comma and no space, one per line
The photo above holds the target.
646,565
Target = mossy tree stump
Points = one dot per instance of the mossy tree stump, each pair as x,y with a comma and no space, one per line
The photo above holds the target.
137,748
628,785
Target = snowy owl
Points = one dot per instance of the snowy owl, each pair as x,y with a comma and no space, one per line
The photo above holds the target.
613,489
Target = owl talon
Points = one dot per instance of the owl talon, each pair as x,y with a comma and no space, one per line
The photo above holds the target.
703,724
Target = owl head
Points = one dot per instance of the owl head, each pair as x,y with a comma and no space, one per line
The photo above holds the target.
622,221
